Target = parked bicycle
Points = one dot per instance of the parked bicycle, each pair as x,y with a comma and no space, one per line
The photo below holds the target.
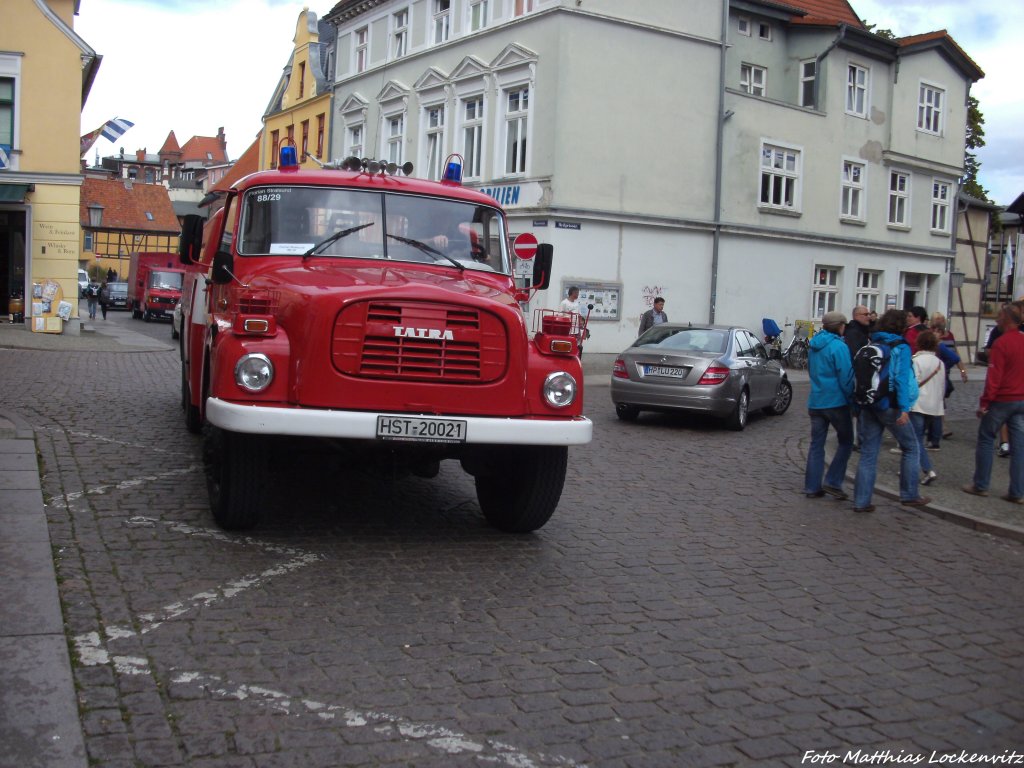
793,354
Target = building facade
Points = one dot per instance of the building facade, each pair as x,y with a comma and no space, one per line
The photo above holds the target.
299,112
743,159
46,72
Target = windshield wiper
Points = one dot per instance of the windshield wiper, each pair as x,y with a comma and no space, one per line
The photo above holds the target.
427,249
336,236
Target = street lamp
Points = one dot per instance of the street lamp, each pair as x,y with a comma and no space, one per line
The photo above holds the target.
956,279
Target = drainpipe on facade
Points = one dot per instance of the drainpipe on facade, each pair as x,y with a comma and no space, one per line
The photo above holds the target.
722,117
821,58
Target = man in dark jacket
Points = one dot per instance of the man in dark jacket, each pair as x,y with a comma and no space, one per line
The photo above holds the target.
653,317
858,330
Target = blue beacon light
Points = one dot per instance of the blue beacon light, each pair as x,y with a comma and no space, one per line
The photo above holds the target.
289,159
452,170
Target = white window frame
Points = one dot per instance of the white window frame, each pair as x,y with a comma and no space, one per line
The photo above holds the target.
361,49
355,135
930,103
942,193
517,120
853,190
855,88
478,12
785,176
10,67
750,74
764,31
400,33
743,25
803,98
393,137
869,289
898,199
522,7
471,134
441,25
434,135
824,290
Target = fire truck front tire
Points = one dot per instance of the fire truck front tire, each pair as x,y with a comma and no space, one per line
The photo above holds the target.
236,470
523,500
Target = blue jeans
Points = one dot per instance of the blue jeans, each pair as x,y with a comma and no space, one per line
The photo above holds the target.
933,430
872,424
923,424
1011,414
842,423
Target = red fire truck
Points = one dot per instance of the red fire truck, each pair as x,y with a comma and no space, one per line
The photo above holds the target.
380,312
154,284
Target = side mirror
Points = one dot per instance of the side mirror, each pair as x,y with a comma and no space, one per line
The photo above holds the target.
542,266
222,264
190,242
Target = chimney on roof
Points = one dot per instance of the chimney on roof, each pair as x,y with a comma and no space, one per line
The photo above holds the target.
222,139
140,155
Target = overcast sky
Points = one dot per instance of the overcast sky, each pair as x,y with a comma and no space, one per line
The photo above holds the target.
192,66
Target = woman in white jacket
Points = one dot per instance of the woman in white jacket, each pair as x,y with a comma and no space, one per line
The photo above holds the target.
931,383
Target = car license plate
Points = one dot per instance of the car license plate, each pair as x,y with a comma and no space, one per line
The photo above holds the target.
664,370
418,429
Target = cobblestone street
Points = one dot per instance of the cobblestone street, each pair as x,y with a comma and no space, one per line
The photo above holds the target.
685,606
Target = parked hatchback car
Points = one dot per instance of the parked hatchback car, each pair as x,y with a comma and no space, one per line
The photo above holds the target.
720,370
114,295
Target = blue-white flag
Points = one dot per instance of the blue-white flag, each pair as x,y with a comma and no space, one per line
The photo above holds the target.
1008,260
115,128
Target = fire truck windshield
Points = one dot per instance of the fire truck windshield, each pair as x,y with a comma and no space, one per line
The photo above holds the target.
168,281
368,224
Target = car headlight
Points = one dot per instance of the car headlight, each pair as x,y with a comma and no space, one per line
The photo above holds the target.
559,389
254,373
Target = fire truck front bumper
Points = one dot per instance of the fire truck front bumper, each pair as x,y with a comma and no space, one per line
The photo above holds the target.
365,425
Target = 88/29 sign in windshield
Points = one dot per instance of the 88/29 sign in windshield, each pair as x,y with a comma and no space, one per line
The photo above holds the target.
420,429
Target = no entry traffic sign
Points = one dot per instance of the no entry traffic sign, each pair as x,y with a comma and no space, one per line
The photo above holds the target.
525,246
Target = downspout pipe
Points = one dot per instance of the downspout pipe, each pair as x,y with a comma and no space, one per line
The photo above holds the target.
820,58
719,149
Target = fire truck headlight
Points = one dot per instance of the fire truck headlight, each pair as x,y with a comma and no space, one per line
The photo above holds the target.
559,389
254,373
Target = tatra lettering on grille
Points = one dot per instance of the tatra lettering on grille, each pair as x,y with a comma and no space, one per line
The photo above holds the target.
419,341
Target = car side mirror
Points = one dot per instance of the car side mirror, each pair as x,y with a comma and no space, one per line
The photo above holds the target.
222,265
542,266
190,243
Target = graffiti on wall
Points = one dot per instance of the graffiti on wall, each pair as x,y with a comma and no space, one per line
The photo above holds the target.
650,292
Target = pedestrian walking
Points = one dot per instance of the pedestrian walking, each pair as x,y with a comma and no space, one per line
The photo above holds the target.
654,316
950,358
831,372
1002,402
571,302
931,384
857,335
917,321
92,295
891,411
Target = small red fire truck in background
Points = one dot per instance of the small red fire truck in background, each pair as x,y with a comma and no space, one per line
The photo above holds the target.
378,312
154,284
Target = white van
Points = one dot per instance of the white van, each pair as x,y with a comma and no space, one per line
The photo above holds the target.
83,281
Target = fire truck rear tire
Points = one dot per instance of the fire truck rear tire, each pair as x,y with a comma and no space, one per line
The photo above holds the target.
236,469
525,501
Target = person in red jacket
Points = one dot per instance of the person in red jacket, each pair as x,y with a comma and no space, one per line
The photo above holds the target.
917,321
1002,402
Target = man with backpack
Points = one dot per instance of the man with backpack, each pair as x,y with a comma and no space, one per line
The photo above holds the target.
885,390
831,373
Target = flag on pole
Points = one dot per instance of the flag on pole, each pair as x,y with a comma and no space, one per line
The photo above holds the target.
115,128
111,130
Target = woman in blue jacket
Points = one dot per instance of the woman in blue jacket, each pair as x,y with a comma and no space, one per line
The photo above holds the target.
829,404
894,416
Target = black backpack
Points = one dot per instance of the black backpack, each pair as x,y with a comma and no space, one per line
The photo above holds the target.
872,375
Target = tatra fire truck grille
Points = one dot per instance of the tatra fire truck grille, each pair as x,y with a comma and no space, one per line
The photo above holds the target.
419,341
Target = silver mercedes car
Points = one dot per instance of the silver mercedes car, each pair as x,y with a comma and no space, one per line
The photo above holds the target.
720,370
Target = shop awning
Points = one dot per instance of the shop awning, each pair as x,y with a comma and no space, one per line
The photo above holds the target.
14,193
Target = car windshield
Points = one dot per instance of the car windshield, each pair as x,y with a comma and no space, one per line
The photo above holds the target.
352,223
684,339
117,288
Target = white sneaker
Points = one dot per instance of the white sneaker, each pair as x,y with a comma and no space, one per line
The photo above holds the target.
928,477
896,450
1004,450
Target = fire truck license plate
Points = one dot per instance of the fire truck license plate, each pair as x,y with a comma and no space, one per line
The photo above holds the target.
426,430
